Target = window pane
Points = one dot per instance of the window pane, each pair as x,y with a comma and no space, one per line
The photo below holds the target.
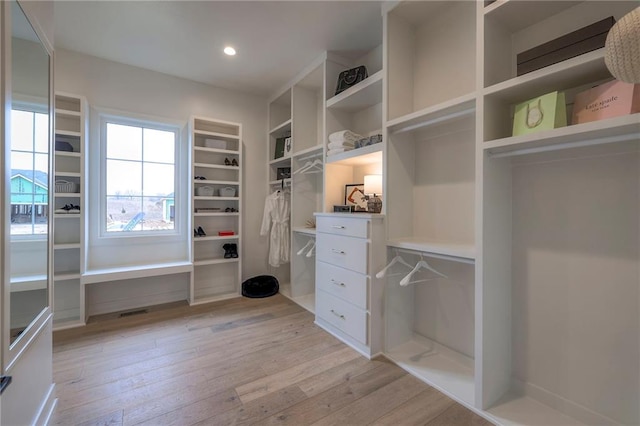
124,214
21,213
21,130
124,142
41,133
124,178
41,166
158,180
157,214
21,164
159,146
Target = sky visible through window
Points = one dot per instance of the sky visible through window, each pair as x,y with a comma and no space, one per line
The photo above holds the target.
140,180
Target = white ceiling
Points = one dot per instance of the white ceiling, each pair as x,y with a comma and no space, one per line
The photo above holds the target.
274,39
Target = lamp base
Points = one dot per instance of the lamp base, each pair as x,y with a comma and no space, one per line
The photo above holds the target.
374,204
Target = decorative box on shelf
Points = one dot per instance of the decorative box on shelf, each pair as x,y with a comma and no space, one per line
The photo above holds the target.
584,40
608,100
542,113
225,233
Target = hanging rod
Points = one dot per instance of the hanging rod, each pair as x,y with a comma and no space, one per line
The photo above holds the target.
450,258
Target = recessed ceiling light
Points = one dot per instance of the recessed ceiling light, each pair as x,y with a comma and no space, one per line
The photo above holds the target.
230,51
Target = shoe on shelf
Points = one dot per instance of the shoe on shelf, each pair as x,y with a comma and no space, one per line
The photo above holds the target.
195,233
234,162
227,162
74,209
63,210
227,251
200,178
201,232
234,250
230,210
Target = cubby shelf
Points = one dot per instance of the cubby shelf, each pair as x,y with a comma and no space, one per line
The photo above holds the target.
286,182
215,214
217,182
67,216
517,15
68,174
618,129
216,134
214,261
213,198
281,129
68,154
69,246
280,161
66,276
216,150
312,150
361,96
67,113
68,195
215,166
216,237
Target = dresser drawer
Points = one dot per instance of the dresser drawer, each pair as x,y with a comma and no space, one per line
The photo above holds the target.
348,285
342,315
346,252
347,226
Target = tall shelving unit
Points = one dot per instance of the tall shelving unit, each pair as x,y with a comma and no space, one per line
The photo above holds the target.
212,142
69,229
538,235
560,242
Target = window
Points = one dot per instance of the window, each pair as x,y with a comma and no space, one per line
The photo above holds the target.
29,172
140,176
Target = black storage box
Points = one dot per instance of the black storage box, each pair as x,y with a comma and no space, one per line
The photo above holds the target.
591,37
260,286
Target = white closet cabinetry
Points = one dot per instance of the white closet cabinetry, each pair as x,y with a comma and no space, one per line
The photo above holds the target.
217,205
560,269
538,235
349,297
69,227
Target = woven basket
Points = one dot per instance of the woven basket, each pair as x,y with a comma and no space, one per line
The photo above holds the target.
204,191
63,186
227,192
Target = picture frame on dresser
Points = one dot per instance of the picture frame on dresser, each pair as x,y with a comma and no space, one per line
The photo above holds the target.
354,196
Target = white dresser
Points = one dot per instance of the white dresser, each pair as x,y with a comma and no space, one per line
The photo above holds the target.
350,248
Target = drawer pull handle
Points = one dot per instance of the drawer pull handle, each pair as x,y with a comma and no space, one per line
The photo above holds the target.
337,251
338,226
337,314
338,283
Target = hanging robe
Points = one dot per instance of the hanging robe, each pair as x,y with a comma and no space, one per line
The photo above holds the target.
276,210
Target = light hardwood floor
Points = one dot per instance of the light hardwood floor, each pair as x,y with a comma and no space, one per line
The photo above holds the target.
241,361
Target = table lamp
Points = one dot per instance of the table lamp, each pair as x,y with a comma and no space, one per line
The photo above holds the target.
373,186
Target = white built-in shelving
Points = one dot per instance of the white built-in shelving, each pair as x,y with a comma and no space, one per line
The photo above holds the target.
215,144
71,123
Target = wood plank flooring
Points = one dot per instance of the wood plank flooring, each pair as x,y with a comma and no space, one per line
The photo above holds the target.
241,361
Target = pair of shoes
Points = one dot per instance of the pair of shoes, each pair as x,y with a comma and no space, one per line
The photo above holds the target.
200,178
199,232
233,162
230,209
230,251
68,208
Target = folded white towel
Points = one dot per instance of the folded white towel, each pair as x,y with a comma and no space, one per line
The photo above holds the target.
344,135
340,144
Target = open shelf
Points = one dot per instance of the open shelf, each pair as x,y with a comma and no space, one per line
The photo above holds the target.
313,150
573,72
68,174
216,214
215,166
286,181
68,133
28,283
361,96
135,271
67,216
215,261
214,198
70,246
302,230
66,276
281,129
517,15
216,134
280,161
216,150
68,154
217,182
67,194
66,113
217,237
367,155
450,251
446,370
437,114
617,129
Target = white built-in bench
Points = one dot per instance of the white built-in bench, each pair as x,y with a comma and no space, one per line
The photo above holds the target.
131,272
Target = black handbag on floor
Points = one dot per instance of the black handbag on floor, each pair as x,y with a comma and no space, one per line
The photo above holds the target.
351,77
260,286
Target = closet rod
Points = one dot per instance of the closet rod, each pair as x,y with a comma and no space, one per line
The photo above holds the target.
435,255
566,145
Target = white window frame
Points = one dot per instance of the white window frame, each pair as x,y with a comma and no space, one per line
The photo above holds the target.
35,106
149,124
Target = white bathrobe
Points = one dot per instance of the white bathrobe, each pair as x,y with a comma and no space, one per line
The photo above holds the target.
276,210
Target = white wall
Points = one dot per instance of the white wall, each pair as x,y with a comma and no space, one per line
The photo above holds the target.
112,85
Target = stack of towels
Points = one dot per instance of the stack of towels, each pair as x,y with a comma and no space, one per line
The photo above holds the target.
342,141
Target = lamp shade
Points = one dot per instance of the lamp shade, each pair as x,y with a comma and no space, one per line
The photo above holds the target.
373,184
622,48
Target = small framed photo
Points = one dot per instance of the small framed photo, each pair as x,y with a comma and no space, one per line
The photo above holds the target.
354,196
